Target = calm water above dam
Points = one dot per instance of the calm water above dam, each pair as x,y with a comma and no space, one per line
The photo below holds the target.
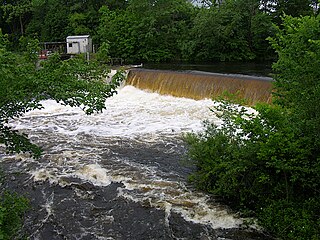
118,174
262,69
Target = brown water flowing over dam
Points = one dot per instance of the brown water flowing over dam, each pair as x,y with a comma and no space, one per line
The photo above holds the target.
201,85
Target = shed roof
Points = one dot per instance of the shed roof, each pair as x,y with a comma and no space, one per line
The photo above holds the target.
78,36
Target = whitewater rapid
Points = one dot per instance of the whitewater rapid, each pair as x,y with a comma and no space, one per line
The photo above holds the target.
130,113
133,147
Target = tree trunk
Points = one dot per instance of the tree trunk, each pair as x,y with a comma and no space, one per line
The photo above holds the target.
21,25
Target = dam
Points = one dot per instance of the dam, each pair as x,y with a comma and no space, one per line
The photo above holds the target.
202,85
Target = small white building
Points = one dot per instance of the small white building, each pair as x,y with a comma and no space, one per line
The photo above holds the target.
79,44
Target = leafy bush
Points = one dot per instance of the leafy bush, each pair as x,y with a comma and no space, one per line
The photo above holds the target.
103,52
298,73
292,220
233,159
74,82
268,163
12,209
256,163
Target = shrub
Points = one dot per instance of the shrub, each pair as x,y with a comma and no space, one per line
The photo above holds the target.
257,164
292,220
12,209
268,163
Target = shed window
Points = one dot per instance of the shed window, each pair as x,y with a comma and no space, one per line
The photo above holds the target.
70,44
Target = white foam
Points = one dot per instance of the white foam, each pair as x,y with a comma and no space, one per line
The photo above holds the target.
130,113
95,174
44,175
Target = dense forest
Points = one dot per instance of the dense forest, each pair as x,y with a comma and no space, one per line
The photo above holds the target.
156,30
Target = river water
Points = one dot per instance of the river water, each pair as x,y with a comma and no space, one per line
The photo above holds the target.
260,69
118,174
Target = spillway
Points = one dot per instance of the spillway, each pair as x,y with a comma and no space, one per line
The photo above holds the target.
201,85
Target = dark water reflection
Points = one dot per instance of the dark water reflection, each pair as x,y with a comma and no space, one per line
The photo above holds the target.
250,68
82,210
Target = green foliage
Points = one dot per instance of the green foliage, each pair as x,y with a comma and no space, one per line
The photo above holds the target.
12,209
157,31
115,28
261,29
267,163
31,48
54,20
145,31
16,14
230,159
77,22
236,30
118,28
298,72
255,162
50,21
103,52
74,82
294,8
292,220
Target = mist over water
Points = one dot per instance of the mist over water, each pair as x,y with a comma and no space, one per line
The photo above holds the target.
118,174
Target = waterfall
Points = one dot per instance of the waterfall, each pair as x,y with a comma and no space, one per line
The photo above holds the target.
201,85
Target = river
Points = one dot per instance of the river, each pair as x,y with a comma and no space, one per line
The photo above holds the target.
119,174
260,69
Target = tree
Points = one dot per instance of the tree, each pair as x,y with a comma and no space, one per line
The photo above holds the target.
73,82
116,4
54,20
12,209
298,73
163,24
117,28
84,17
146,30
18,11
267,164
50,21
235,30
294,8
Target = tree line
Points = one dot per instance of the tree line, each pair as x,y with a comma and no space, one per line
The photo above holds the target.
157,30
